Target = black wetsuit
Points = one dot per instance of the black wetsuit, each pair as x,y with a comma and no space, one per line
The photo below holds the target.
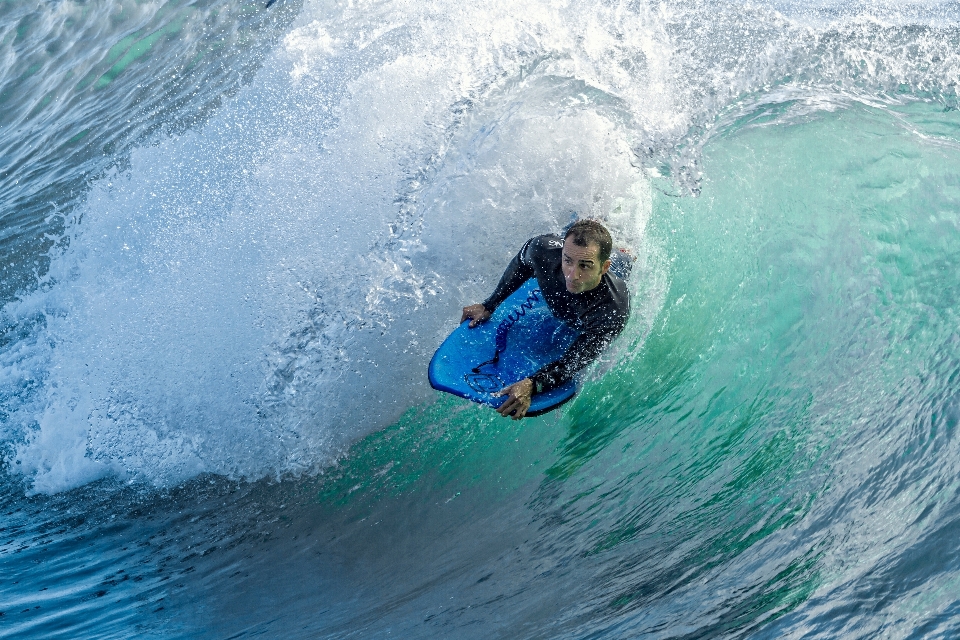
598,314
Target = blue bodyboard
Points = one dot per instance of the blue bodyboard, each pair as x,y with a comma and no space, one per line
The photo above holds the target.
468,363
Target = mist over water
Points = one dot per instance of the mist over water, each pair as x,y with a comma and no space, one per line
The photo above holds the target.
222,298
251,295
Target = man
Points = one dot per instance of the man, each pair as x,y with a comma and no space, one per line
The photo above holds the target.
573,275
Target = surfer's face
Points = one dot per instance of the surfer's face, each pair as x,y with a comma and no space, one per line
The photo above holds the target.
582,268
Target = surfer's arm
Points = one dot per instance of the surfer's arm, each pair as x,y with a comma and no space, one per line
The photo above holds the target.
585,349
518,271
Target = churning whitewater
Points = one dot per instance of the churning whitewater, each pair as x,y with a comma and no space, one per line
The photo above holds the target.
232,235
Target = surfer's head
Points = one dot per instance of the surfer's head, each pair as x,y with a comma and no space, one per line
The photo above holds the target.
586,255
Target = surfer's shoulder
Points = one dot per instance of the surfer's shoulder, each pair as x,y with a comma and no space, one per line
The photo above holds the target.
539,248
544,243
618,293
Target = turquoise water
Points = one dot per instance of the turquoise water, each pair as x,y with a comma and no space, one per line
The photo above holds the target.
215,415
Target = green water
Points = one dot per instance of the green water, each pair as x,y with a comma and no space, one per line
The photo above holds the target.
797,370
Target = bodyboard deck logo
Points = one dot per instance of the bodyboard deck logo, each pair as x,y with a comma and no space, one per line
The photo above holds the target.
483,382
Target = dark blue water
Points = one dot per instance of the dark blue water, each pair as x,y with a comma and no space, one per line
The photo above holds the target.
232,236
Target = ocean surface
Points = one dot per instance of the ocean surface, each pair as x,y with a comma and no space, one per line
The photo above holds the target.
233,233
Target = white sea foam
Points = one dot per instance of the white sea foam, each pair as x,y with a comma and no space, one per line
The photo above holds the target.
249,297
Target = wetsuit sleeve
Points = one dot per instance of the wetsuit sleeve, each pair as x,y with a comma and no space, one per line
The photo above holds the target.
585,349
518,271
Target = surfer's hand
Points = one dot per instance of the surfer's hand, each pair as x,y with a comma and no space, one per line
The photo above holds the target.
477,314
518,401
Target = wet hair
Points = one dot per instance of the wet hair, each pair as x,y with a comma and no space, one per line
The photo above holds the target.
587,232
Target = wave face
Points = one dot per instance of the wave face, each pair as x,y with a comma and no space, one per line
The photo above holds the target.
233,235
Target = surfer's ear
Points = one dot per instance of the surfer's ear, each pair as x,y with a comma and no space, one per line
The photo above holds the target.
605,266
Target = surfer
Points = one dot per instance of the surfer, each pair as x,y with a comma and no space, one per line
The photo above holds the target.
573,274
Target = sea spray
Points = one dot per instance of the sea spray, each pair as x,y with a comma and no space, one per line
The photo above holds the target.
250,296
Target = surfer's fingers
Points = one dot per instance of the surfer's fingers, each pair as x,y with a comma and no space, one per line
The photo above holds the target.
514,406
521,412
509,406
476,313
